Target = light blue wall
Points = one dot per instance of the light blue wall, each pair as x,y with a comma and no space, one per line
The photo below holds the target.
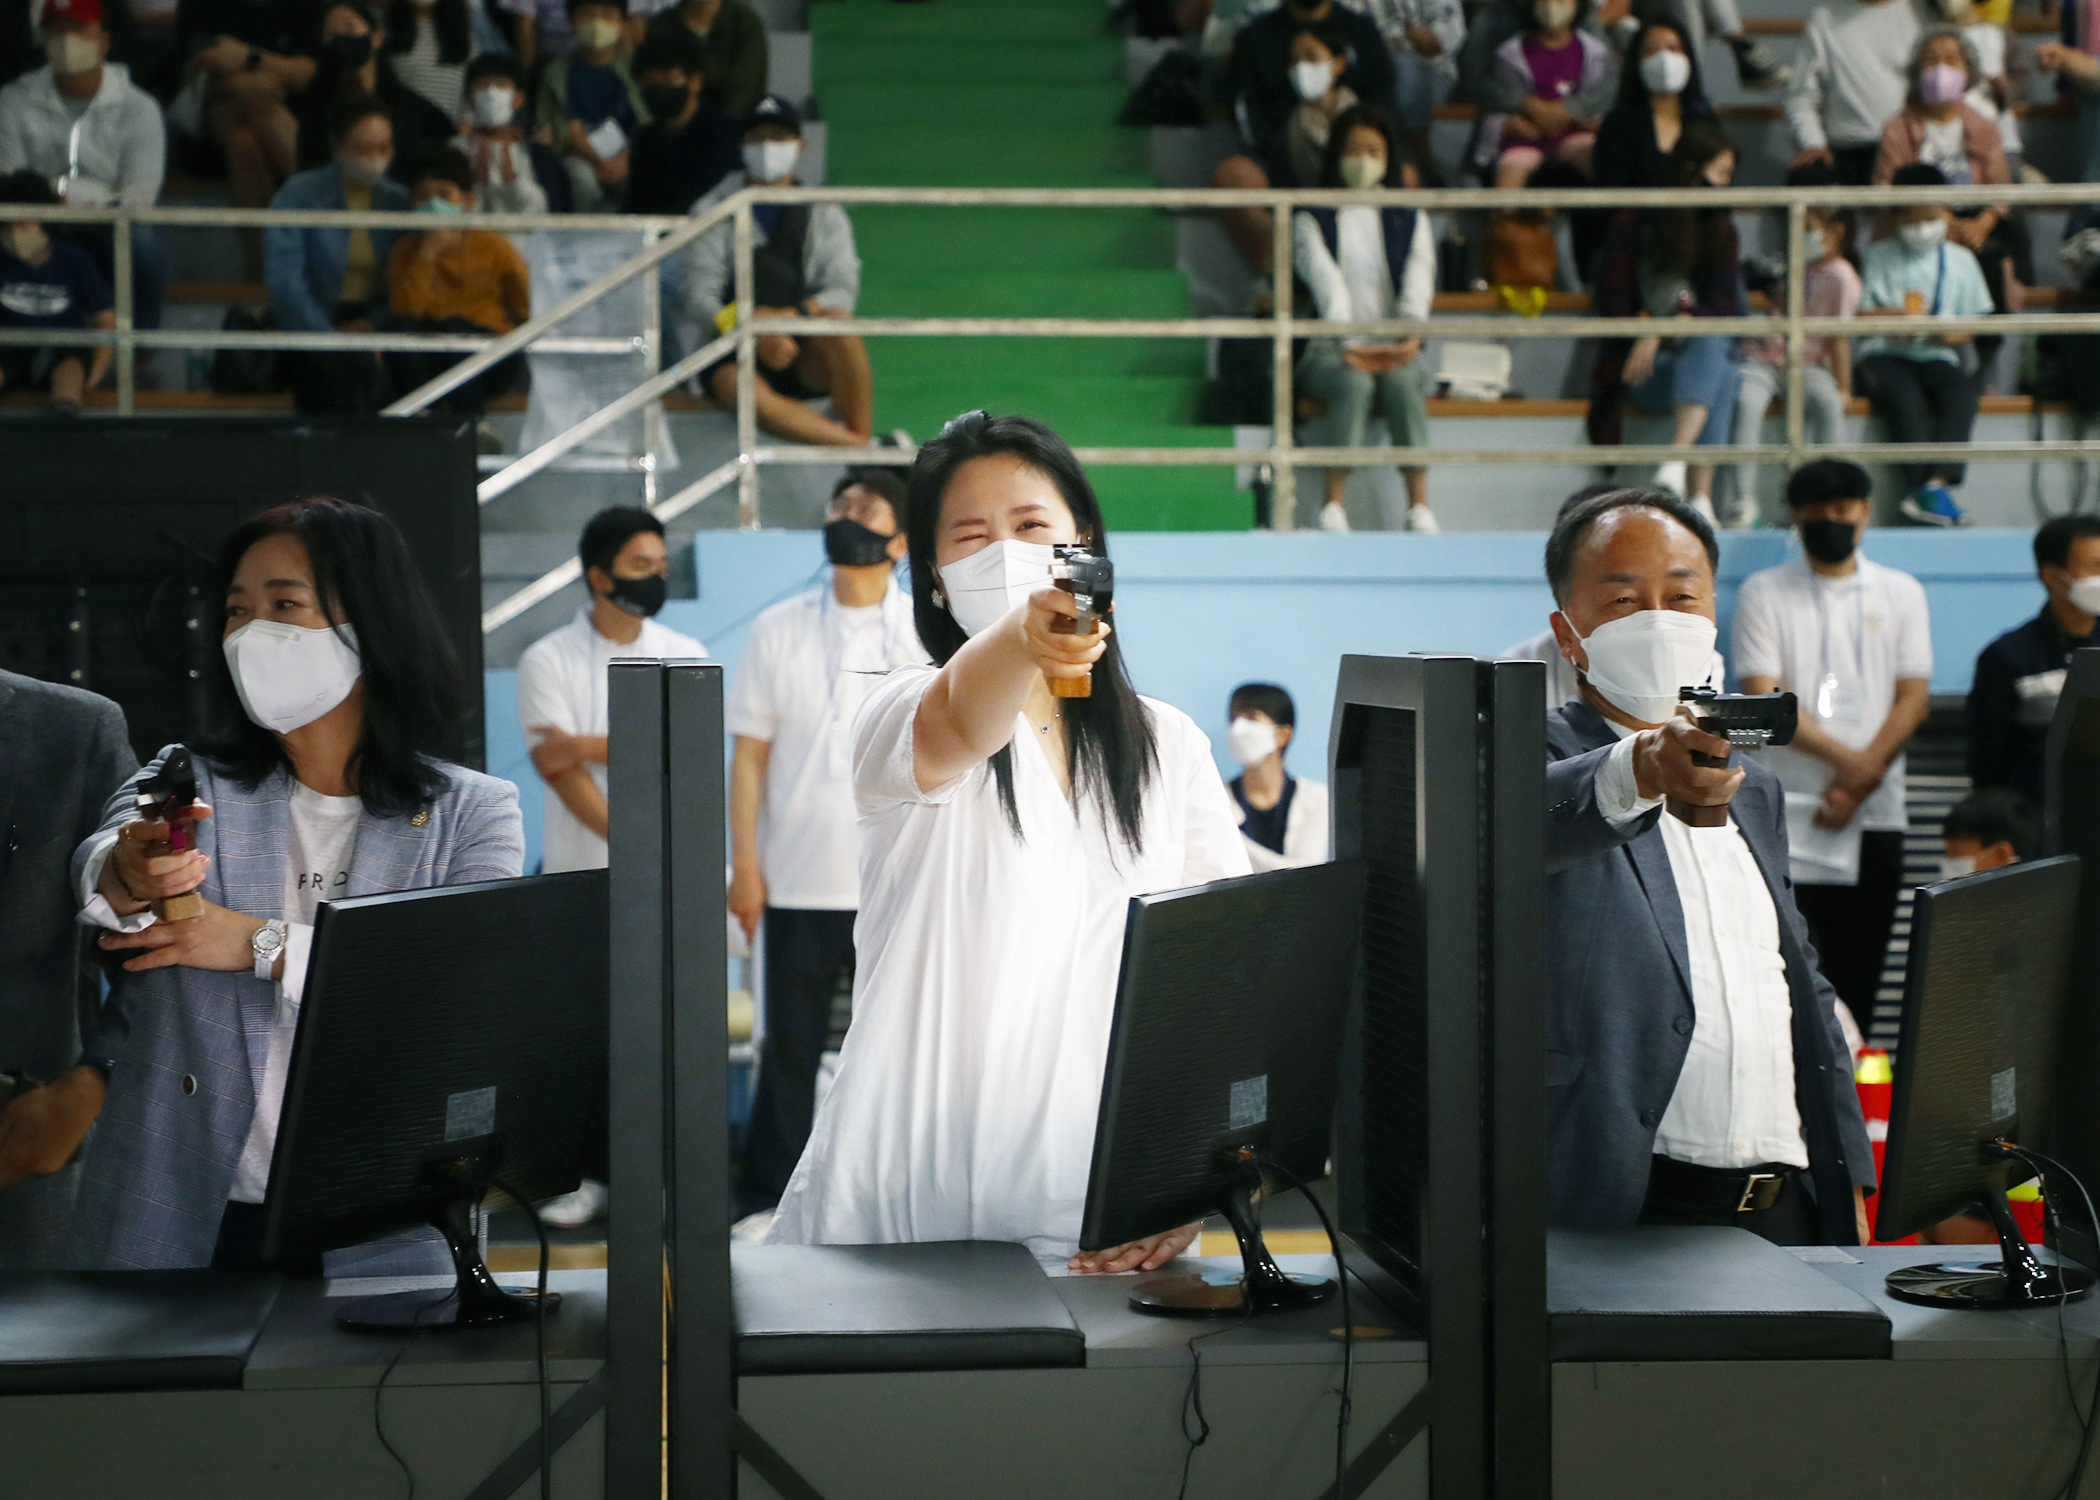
1201,612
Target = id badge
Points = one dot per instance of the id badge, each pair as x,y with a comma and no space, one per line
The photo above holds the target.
1838,702
838,751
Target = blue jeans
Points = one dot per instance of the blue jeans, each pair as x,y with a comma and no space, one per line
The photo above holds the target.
1418,88
1694,372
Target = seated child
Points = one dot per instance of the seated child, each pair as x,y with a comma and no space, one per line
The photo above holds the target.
49,283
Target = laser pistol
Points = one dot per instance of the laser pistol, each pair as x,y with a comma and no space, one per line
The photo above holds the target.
1748,721
1092,581
167,798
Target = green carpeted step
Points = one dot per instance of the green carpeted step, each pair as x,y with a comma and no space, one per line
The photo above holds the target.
907,359
968,239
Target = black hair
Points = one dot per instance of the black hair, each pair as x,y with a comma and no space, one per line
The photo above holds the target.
347,114
1996,815
1822,479
26,186
1264,698
672,47
2052,541
606,533
446,164
1367,117
1692,240
1109,738
1918,174
414,698
503,65
1575,524
455,40
358,8
1633,93
1587,492
887,483
574,6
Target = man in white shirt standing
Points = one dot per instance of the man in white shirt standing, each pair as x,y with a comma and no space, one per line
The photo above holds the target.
1853,641
1850,78
793,830
1695,1069
561,702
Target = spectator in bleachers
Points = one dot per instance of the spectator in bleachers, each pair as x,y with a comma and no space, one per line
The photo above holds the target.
544,29
1987,830
2002,72
733,41
96,137
1667,264
513,174
1550,87
689,144
1923,387
2076,62
1831,290
1283,818
253,63
2020,675
1937,125
1316,73
352,40
1850,78
1364,264
453,280
1660,92
590,107
1265,91
323,279
804,265
427,46
1618,22
1424,37
50,284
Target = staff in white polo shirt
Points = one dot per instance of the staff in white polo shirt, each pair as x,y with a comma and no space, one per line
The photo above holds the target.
793,832
561,702
1853,641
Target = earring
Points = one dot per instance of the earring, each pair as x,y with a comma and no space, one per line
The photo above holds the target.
940,600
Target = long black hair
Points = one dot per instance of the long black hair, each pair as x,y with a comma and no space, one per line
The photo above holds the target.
413,697
1693,241
1109,739
454,30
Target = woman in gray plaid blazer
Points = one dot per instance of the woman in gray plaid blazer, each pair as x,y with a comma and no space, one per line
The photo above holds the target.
335,689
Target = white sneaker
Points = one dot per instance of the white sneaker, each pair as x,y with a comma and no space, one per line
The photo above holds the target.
1705,506
751,1228
1421,518
574,1210
1670,476
1333,517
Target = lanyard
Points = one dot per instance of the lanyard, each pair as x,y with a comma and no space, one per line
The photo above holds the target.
835,640
1826,686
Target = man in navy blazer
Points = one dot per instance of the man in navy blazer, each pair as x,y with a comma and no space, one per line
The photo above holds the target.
1695,1069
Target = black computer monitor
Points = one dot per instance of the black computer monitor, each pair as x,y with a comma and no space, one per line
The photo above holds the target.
448,1039
1976,1073
1222,1064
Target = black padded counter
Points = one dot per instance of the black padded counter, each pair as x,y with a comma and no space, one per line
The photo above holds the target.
1688,1293
835,1309
64,1332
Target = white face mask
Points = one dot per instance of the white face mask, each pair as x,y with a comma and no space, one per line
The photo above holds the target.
72,54
1954,866
28,242
2085,594
1361,172
983,588
598,36
1666,72
1554,14
287,676
769,161
1312,80
1924,235
493,108
1250,741
1642,662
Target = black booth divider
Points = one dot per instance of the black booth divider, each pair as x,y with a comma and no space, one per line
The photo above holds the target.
2071,825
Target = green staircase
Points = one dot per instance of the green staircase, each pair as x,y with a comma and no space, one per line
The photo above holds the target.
1016,93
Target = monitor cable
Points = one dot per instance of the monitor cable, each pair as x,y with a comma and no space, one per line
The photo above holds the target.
1192,1398
378,1427
1341,1276
539,1327
2049,1170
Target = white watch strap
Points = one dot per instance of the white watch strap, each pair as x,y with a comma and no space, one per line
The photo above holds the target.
266,957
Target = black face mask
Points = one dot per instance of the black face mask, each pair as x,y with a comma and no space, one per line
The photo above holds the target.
348,52
848,544
666,101
641,597
1829,541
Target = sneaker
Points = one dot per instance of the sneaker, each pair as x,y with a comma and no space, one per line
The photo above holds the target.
1333,517
1670,476
1421,518
486,438
574,1210
896,437
60,406
1705,506
1756,66
1933,505
751,1228
1742,514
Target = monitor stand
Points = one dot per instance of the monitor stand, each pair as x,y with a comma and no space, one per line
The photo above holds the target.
475,1301
2016,1280
1261,1287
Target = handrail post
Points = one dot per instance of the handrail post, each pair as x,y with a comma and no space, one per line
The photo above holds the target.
652,365
1283,483
746,377
1796,343
120,264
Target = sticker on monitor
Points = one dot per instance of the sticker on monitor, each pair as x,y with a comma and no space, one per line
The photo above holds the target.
1250,1102
470,1113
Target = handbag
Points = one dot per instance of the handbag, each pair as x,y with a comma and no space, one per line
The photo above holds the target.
245,372
1520,249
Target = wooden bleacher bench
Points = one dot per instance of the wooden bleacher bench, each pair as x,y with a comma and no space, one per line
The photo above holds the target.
1765,113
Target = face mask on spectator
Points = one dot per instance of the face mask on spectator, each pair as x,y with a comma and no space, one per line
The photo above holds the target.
1829,243
848,544
287,676
493,107
1312,80
640,597
984,586
1925,234
1642,662
1829,541
1942,84
1666,72
1954,866
769,161
2085,594
365,171
1554,14
1362,172
666,101
27,241
1250,741
348,52
438,205
72,54
598,36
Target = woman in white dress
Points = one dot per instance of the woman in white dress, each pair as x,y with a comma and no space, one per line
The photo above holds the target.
1003,832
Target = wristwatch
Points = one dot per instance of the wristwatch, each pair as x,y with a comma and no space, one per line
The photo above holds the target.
268,943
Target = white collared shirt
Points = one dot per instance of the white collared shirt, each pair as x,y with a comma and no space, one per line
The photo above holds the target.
1734,1105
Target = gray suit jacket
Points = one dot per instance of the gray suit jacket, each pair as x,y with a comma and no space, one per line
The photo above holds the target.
1619,999
62,752
190,1044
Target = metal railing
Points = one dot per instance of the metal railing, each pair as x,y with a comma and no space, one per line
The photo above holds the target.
666,236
